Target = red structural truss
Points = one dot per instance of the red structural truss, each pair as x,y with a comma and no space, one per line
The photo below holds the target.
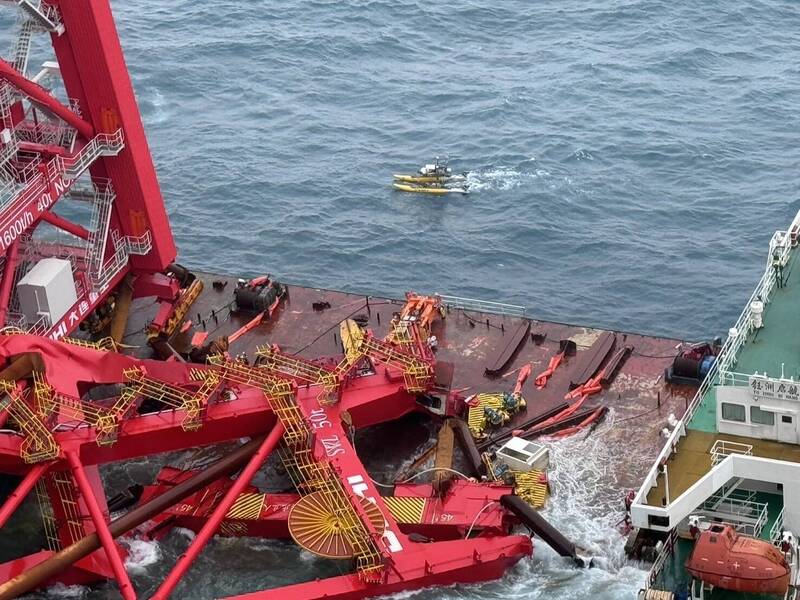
72,133
64,427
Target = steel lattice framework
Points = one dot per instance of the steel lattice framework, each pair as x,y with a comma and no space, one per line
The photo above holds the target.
71,132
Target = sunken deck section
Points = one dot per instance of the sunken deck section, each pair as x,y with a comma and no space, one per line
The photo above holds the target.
468,342
772,350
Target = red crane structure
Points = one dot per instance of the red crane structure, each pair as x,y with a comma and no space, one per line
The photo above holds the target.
72,133
59,437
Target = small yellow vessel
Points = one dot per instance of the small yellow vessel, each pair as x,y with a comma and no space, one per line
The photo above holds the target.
429,189
427,178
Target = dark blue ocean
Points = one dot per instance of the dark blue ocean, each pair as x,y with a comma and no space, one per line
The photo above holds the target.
630,158
629,161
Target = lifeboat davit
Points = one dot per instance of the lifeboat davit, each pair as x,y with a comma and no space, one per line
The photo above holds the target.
735,562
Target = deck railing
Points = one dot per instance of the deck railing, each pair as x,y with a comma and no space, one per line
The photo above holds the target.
782,242
667,550
722,449
498,308
777,528
725,359
744,514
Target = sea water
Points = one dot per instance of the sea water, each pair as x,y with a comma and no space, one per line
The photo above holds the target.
628,162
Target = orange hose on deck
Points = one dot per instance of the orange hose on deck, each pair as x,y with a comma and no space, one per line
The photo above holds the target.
255,322
524,373
541,379
575,428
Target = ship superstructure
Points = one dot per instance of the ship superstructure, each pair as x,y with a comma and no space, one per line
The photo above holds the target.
725,489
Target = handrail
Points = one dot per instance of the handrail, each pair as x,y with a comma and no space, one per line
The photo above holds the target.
722,448
725,360
499,308
98,229
126,247
777,527
102,144
658,563
744,515
69,168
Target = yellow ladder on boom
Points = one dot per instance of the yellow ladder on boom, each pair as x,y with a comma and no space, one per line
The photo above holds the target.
39,444
306,371
308,474
193,403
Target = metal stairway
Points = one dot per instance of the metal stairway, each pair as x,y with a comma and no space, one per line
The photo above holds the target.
302,370
310,475
98,229
22,47
45,16
38,445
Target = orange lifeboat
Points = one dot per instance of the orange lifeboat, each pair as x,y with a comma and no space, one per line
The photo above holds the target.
735,562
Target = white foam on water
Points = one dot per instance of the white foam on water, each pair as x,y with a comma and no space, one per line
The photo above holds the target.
501,178
307,556
141,554
60,590
587,506
187,533
160,113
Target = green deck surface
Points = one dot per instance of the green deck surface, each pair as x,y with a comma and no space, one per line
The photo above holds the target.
775,345
705,417
778,341
766,350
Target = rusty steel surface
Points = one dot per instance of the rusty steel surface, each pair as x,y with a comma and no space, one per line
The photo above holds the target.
639,398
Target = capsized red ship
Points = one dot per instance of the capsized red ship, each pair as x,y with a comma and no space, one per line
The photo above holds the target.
735,562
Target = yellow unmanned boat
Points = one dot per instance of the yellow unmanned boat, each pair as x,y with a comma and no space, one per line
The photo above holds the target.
429,189
433,178
427,178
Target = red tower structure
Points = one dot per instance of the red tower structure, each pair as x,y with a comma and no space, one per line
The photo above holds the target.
72,133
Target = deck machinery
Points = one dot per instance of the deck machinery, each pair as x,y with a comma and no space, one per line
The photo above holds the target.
72,137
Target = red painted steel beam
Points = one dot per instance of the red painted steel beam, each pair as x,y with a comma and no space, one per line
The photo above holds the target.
8,279
23,489
93,69
42,97
440,563
68,226
99,520
35,570
208,530
40,193
369,400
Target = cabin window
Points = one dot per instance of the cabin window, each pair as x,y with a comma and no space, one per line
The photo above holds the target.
733,412
761,417
786,419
